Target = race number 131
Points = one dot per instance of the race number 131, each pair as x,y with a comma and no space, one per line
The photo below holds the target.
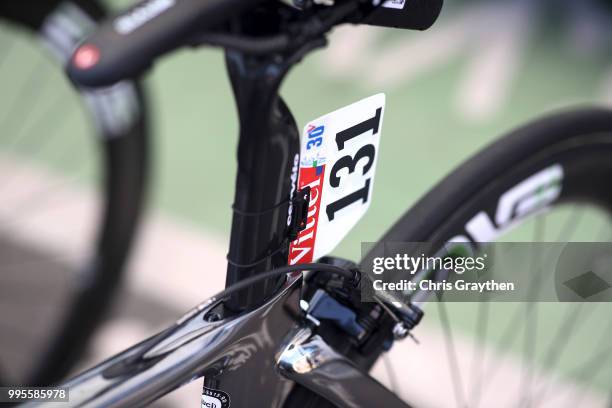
361,161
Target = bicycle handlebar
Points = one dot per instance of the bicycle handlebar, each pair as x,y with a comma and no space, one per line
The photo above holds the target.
127,44
124,46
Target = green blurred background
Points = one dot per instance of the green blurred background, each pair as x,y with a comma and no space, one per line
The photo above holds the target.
485,67
519,60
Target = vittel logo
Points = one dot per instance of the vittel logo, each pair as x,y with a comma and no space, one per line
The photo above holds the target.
129,22
302,249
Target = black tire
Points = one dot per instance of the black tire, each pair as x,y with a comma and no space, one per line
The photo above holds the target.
123,148
579,141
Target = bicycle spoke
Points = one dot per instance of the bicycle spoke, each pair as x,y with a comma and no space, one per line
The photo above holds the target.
46,124
482,324
43,194
510,333
593,366
571,225
565,330
390,373
452,355
33,203
559,342
531,312
50,131
32,85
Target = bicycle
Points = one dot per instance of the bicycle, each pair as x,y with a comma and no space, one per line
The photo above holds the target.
118,131
317,352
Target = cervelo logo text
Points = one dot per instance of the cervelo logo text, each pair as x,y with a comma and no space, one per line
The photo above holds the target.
294,177
129,22
302,249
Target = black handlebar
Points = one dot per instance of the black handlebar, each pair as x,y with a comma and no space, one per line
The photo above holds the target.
126,45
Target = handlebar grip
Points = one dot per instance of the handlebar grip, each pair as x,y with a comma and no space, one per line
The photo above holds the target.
126,45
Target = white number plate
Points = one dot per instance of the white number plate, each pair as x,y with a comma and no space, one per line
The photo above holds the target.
337,161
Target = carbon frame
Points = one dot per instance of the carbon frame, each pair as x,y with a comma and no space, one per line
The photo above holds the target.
261,329
198,345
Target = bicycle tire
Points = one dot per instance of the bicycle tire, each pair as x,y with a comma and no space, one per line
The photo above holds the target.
579,140
583,136
124,149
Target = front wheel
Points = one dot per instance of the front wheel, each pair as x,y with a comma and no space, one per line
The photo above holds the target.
548,181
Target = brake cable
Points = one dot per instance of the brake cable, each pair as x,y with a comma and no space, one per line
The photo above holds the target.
352,275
